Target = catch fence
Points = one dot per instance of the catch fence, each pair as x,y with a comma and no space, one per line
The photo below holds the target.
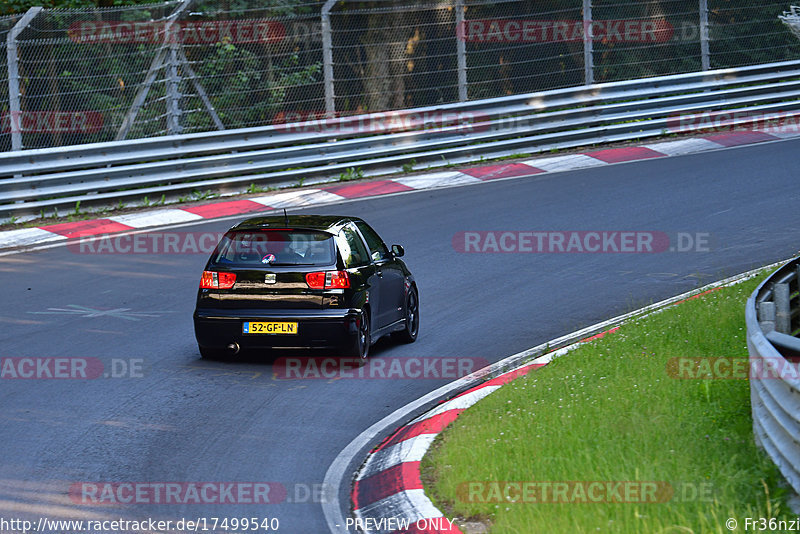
74,76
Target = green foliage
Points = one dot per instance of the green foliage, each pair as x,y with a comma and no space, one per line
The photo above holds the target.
254,188
351,174
203,195
514,156
242,90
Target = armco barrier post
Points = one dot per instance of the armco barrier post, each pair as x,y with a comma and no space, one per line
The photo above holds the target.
783,315
766,316
12,52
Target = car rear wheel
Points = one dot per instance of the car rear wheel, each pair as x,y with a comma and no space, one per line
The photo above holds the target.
410,332
360,346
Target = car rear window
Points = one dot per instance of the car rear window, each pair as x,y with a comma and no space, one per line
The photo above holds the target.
275,247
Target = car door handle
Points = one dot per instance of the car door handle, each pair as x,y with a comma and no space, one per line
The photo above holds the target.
379,273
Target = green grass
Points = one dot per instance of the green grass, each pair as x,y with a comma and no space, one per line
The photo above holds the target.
254,188
609,411
351,174
513,156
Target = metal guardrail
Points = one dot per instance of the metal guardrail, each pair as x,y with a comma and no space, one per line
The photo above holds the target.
772,316
44,180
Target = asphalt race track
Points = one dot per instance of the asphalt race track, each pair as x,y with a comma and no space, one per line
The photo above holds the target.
181,419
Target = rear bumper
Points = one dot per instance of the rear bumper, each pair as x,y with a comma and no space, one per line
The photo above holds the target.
322,329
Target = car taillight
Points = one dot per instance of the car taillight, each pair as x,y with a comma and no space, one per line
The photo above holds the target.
215,280
328,280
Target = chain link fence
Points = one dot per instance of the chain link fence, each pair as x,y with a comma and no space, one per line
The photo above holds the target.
76,82
649,39
6,23
105,74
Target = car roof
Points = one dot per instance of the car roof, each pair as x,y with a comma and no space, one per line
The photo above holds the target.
306,222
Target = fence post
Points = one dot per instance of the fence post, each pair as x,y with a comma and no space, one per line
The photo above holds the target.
461,51
327,57
12,55
152,72
588,43
766,316
705,54
173,91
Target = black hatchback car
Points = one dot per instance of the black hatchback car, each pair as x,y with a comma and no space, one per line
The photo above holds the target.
304,282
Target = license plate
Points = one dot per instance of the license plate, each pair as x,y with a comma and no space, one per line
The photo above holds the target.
269,328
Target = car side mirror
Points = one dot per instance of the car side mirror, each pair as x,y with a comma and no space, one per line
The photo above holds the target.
398,251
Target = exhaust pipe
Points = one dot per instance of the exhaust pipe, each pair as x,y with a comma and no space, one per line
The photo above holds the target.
234,348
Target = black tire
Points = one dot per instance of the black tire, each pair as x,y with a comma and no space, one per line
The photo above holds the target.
360,347
411,331
212,354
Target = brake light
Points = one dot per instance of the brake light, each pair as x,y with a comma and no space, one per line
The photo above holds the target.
328,280
215,280
315,280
